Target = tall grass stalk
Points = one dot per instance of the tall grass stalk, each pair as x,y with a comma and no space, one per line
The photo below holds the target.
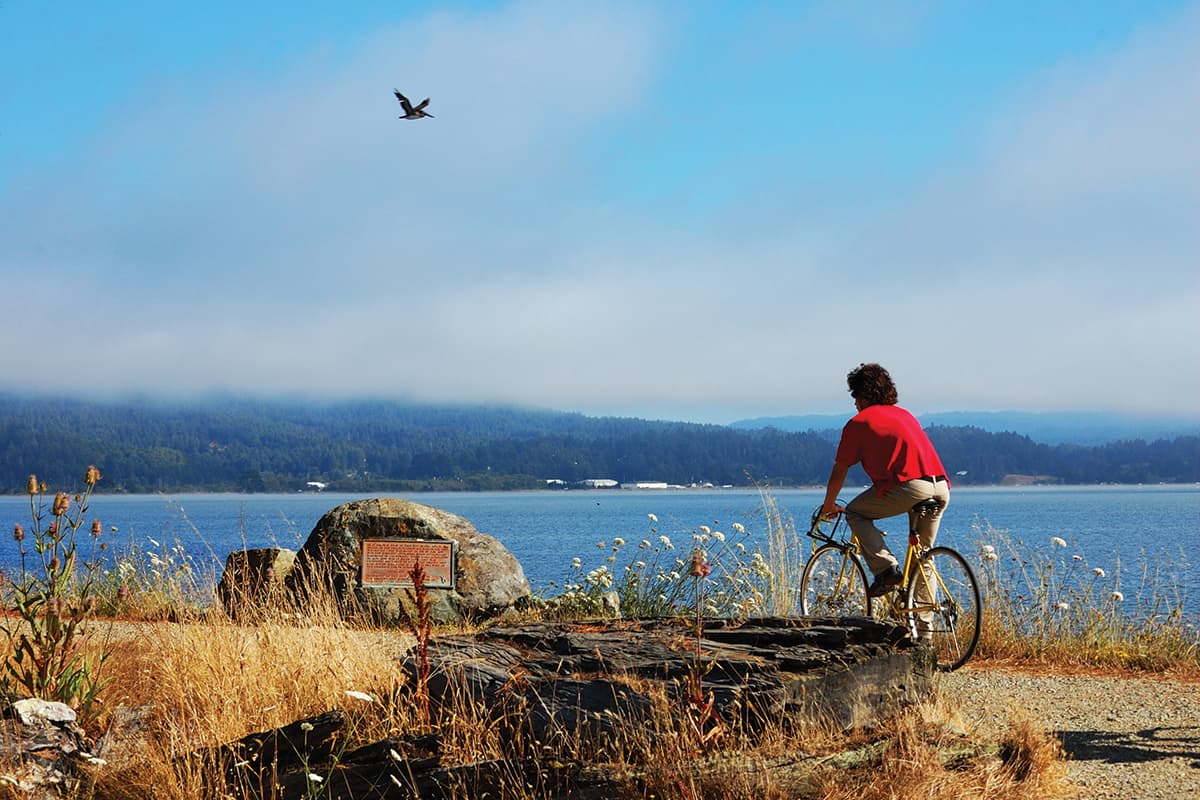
1049,603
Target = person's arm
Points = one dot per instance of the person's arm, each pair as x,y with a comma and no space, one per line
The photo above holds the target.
837,477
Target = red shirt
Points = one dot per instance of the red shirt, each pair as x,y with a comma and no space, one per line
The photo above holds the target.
891,446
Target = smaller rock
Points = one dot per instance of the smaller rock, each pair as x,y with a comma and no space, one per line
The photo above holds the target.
42,748
253,580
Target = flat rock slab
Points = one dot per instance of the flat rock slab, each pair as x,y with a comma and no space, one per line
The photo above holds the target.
568,679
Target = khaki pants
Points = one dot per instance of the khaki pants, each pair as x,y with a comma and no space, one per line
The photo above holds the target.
862,511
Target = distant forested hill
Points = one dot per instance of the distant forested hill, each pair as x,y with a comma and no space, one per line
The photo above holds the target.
257,445
1051,427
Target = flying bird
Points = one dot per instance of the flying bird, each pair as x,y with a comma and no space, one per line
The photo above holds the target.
411,111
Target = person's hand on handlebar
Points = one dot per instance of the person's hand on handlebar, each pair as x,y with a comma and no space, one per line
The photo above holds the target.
829,510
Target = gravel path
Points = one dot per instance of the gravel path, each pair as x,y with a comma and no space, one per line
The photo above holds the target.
1126,738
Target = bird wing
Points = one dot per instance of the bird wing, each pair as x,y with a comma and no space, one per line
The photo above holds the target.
422,104
403,101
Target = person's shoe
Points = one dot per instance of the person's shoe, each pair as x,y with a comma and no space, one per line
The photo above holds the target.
885,582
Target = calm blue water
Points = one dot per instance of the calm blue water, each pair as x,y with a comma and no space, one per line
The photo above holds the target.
545,530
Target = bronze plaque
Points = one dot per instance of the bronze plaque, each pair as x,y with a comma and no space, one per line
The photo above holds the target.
389,562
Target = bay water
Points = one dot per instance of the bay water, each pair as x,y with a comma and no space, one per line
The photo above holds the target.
1108,526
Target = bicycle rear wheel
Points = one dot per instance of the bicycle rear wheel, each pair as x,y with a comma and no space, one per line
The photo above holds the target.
946,611
833,584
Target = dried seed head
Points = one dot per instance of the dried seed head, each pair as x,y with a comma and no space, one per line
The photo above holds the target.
91,476
32,486
96,527
62,502
18,532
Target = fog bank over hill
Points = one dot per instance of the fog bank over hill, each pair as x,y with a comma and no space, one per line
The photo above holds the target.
1051,427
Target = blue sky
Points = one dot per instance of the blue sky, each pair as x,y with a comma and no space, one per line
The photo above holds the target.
699,211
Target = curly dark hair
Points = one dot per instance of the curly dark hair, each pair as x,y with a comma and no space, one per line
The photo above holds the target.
873,385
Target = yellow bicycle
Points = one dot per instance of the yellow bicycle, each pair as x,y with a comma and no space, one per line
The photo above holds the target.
938,599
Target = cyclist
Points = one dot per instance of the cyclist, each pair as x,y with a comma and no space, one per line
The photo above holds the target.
903,466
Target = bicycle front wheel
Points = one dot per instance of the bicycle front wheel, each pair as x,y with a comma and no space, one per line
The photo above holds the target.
943,606
833,584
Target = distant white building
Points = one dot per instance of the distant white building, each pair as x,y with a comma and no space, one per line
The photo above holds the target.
646,485
599,483
316,486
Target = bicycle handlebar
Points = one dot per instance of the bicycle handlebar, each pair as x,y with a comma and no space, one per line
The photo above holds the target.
818,519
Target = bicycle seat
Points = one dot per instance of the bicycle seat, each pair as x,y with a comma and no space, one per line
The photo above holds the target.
930,506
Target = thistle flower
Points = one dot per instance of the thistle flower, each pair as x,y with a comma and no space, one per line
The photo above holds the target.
32,486
18,532
700,568
62,502
91,476
96,527
1058,540
1098,572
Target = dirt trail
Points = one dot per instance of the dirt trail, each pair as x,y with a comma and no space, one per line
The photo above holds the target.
1126,738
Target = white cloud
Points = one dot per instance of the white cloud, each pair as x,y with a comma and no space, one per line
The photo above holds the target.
288,232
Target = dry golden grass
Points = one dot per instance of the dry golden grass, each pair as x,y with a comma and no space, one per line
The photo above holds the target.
211,682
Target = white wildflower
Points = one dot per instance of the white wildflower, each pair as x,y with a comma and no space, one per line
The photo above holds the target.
576,563
720,537
306,726
1077,557
1058,540
666,542
705,530
739,527
366,698
990,557
96,761
674,575
1098,572
640,564
1117,597
652,517
1062,605
601,545
395,756
645,544
987,548
153,542
740,546
315,778
618,542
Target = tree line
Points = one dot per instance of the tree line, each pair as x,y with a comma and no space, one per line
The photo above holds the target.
245,445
